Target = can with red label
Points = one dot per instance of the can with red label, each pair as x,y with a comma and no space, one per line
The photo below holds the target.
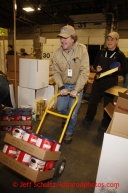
18,132
30,137
23,157
6,128
37,164
5,117
55,146
26,116
49,165
16,116
27,127
10,150
44,143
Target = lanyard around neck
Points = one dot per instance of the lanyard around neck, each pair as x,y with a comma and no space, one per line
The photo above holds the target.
68,62
110,56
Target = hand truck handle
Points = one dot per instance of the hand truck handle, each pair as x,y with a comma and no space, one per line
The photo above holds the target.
57,114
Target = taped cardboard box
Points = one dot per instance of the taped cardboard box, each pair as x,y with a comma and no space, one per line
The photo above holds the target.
24,170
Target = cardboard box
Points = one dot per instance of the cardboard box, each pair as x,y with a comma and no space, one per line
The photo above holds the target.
24,170
10,61
110,109
33,73
28,96
31,149
37,152
119,125
113,164
121,105
91,76
88,86
13,123
115,90
11,74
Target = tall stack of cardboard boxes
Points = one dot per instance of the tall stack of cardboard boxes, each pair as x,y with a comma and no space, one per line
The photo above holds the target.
33,81
113,164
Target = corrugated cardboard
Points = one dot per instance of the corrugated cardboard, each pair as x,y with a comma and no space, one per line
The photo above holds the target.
24,170
88,88
115,90
110,109
10,61
11,74
37,152
13,123
119,125
91,76
121,105
31,149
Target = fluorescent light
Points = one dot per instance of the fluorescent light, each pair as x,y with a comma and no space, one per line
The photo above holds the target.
28,9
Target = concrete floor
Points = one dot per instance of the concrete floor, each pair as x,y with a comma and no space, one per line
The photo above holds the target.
82,156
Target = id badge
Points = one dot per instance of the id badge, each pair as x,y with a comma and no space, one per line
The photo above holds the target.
70,72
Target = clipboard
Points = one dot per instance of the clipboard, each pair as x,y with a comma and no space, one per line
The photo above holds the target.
108,72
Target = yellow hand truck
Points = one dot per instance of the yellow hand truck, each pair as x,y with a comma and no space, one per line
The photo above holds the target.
60,164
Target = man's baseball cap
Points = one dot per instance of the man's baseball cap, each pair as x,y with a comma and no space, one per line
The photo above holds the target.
66,31
113,35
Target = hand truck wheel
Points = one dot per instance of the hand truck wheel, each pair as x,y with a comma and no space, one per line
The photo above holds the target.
59,166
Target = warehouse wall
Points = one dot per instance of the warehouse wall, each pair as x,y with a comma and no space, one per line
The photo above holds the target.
89,34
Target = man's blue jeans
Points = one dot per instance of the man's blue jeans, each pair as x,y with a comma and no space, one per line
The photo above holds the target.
64,104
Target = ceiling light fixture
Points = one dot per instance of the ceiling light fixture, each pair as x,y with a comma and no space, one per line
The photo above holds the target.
28,6
28,9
